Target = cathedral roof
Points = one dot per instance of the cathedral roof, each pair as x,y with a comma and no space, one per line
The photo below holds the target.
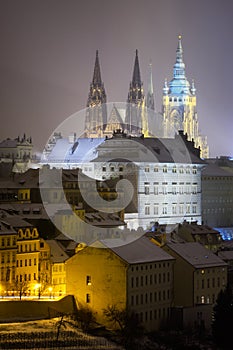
179,84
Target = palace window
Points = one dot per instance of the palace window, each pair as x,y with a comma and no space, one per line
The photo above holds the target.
156,209
156,188
164,188
147,209
174,208
147,187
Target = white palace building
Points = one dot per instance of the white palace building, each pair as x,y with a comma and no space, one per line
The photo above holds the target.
160,154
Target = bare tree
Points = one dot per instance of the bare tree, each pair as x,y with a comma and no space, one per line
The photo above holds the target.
21,286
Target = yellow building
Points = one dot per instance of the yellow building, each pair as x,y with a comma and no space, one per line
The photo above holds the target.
58,256
8,251
28,261
44,268
137,276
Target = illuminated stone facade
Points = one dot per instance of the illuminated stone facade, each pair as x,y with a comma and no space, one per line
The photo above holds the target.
180,105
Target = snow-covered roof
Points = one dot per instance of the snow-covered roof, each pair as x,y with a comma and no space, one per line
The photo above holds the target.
196,255
83,150
57,253
9,143
6,228
226,255
214,170
17,222
138,251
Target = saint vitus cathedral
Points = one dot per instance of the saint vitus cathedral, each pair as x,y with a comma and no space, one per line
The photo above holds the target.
179,110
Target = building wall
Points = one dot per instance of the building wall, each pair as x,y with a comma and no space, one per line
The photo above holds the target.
8,251
192,285
183,280
97,278
58,279
28,257
150,292
217,200
169,193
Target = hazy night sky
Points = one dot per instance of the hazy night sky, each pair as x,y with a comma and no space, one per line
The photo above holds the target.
47,53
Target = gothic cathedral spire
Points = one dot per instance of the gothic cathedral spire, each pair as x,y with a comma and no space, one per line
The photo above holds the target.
150,102
179,105
96,114
135,120
97,76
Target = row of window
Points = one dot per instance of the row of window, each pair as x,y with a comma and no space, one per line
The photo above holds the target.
59,280
8,242
150,266
157,314
27,277
205,300
208,283
113,168
175,209
26,262
165,169
150,279
164,189
27,247
148,298
58,268
7,274
216,210
8,258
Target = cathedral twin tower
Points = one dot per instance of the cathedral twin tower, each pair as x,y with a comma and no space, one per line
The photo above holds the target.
178,107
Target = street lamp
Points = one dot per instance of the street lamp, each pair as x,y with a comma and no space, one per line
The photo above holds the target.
37,287
50,292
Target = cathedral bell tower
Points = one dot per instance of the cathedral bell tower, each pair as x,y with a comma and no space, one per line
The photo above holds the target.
96,114
136,119
179,104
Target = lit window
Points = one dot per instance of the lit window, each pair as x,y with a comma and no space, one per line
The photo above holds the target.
88,298
88,280
174,169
